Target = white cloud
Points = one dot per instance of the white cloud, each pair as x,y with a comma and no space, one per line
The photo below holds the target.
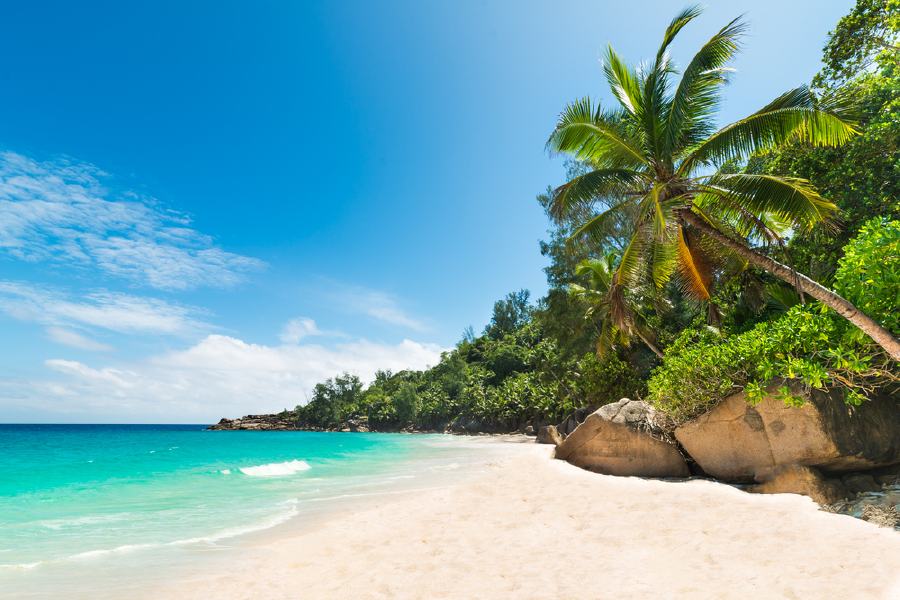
297,329
59,211
73,339
123,313
220,376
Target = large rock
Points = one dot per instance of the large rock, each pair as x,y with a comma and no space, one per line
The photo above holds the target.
737,441
618,449
548,434
570,423
628,412
802,480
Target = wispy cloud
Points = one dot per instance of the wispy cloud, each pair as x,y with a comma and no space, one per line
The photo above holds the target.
115,311
73,339
220,376
60,211
297,329
362,300
384,308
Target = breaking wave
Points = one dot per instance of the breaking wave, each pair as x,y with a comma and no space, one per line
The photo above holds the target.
285,468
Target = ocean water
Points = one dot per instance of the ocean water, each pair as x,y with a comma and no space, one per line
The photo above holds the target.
111,511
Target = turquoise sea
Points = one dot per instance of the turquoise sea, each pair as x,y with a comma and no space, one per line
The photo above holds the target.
110,511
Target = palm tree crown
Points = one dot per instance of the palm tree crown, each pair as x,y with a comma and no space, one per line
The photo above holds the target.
655,153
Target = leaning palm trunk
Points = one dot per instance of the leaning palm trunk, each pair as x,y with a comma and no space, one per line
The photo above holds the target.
843,307
649,344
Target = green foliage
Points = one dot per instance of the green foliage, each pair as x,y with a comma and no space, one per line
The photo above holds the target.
608,380
504,360
455,377
332,401
868,34
808,343
503,381
869,273
862,177
509,313
406,404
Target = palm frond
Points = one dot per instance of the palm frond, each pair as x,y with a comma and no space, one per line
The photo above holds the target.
584,189
752,291
686,15
608,335
694,276
795,116
696,98
590,134
788,199
630,271
654,81
601,225
661,259
620,311
782,298
599,270
624,83
655,85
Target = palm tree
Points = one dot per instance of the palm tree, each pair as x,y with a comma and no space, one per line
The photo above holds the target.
655,152
615,327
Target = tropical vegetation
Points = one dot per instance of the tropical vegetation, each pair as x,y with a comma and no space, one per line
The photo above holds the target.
689,261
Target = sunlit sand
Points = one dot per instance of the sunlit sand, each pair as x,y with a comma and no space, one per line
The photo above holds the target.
532,527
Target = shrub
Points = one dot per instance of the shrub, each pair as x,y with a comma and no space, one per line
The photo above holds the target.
868,275
608,380
504,360
406,404
809,343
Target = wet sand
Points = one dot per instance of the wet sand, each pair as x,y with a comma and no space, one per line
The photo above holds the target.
532,527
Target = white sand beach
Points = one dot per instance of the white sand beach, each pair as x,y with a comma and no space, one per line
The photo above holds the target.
533,527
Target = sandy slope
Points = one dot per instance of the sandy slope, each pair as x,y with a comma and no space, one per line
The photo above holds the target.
531,527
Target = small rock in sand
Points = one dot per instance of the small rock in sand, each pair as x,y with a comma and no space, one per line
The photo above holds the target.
548,434
881,516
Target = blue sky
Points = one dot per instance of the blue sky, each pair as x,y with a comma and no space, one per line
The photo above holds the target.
207,207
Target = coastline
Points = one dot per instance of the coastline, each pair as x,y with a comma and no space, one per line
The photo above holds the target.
532,527
170,504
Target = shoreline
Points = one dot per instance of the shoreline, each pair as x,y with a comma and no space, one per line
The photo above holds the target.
531,527
211,504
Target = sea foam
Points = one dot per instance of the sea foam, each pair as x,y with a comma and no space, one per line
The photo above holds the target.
268,523
285,468
22,566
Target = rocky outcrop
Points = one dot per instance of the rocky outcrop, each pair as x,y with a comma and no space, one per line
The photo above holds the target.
860,483
883,517
618,447
283,422
802,480
358,423
570,423
629,412
737,441
889,475
549,434
257,423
